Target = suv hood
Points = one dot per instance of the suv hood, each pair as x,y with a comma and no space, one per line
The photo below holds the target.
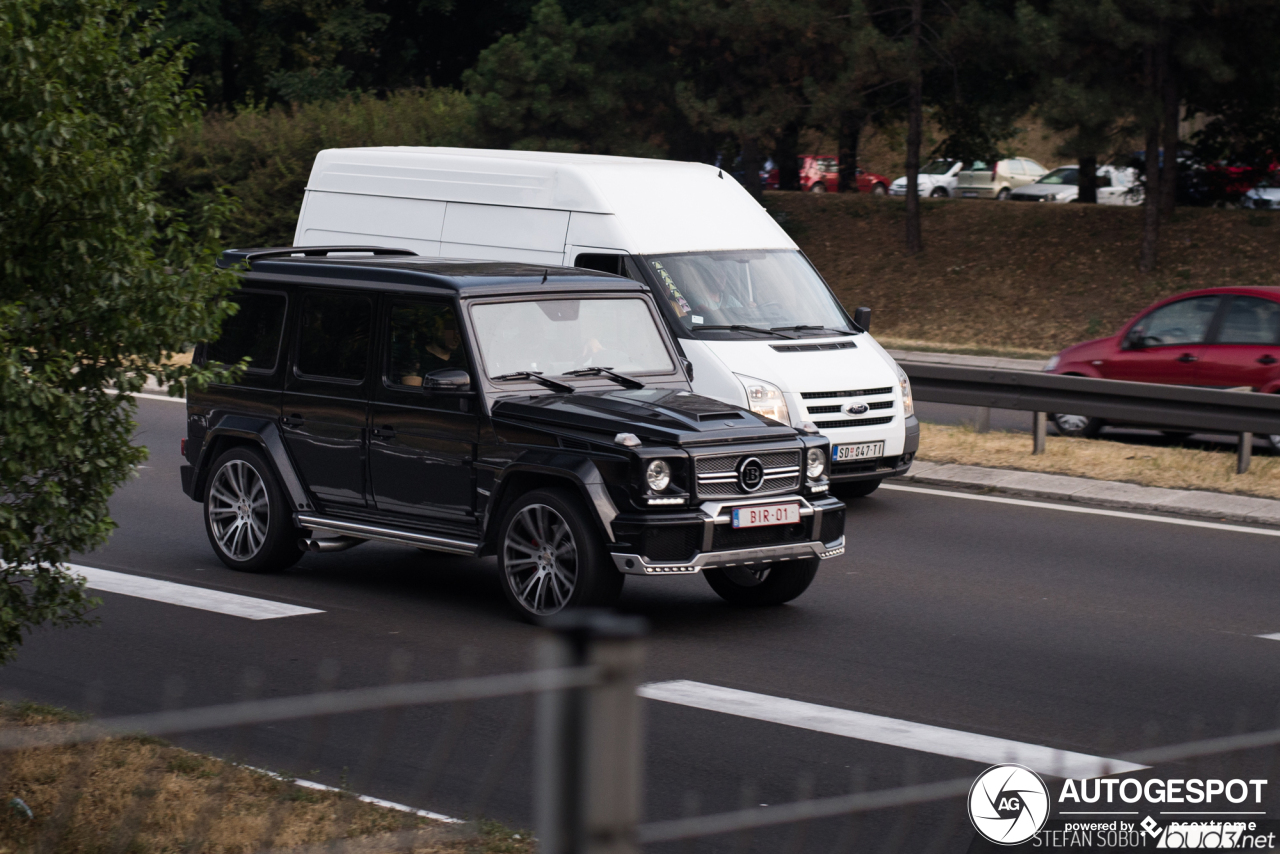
667,416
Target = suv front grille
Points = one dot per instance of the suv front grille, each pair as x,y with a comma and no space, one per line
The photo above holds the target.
718,475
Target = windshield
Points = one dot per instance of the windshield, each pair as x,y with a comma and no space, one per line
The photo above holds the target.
938,167
560,335
763,289
1069,175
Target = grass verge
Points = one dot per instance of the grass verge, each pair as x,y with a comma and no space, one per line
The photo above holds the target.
143,796
1147,465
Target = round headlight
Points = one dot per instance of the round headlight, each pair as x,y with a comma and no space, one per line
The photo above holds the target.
658,474
815,463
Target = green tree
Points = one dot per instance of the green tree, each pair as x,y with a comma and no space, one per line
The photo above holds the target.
99,284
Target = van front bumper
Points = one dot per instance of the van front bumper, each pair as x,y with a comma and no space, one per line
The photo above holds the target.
688,543
879,469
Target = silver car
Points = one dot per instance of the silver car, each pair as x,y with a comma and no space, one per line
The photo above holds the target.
936,180
1116,186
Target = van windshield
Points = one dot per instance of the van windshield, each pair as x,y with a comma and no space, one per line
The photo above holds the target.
762,289
560,335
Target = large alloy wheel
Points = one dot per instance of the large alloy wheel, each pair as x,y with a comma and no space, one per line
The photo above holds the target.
246,517
766,584
1077,425
551,556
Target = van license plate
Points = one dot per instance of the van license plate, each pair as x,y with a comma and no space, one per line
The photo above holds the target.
860,451
766,514
969,194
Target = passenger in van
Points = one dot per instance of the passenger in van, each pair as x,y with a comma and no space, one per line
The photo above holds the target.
716,292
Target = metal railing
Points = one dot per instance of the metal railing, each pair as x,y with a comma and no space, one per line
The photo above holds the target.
1169,407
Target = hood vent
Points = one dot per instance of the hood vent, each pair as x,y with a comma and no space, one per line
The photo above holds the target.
804,348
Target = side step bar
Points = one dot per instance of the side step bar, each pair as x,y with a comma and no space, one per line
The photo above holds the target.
450,545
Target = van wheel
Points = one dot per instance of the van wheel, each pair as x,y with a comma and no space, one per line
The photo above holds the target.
1003,195
551,557
768,584
250,525
856,489
1080,426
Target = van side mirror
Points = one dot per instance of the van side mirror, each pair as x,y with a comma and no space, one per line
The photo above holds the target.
688,368
862,318
447,379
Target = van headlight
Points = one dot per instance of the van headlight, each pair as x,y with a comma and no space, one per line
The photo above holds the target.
765,399
908,402
658,475
815,463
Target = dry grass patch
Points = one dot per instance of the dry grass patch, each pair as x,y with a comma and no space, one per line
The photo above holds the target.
142,796
1171,467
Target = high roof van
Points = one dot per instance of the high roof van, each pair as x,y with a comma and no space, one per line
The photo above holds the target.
757,322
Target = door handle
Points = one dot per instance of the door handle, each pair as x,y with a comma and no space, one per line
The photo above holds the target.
1187,357
294,420
1267,360
386,431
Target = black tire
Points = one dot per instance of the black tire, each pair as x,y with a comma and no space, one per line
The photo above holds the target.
818,187
939,193
1274,440
772,584
855,489
249,522
1003,195
879,189
547,536
1078,426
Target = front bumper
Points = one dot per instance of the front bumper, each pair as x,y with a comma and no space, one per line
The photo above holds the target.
879,469
691,542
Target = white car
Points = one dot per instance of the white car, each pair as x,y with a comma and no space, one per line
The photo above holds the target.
936,180
1264,197
1116,186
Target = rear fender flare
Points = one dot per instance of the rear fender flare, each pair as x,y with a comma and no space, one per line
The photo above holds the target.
257,431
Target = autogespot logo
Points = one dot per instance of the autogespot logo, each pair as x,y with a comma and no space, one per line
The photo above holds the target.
1008,804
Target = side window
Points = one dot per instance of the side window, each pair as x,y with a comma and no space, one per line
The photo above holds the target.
1251,320
605,263
1104,180
333,342
1016,167
254,331
1182,322
1034,168
424,338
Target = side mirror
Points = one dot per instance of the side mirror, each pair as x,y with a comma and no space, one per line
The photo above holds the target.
447,379
1133,340
862,318
688,368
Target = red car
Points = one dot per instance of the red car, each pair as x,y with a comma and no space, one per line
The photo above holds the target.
1215,337
821,174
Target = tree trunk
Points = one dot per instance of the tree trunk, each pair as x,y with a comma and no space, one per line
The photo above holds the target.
1088,194
915,241
1151,202
751,167
787,157
850,134
1169,168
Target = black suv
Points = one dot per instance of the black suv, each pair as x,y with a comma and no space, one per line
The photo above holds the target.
542,415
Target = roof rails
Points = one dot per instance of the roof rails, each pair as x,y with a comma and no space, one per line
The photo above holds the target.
231,257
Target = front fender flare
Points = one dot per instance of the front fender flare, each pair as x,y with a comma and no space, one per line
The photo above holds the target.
580,471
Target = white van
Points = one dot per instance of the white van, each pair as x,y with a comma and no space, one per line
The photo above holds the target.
759,325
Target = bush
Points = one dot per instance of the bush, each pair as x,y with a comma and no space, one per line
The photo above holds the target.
264,156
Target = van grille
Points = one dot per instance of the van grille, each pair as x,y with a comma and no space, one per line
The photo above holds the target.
854,422
862,392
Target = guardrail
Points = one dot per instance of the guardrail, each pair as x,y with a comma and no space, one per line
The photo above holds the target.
1161,406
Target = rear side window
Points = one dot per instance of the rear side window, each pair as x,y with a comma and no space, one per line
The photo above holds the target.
333,339
254,331
1251,320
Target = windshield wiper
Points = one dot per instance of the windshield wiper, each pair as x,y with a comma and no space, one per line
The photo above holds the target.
620,379
804,328
537,377
738,327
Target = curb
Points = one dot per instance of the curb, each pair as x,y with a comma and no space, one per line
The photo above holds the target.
1104,493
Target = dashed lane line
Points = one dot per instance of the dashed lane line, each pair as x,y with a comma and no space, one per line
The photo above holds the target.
173,593
941,741
1092,511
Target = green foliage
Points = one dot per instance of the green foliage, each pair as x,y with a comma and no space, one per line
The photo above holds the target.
99,284
263,157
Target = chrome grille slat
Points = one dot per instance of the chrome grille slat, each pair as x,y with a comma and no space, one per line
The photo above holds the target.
862,392
717,475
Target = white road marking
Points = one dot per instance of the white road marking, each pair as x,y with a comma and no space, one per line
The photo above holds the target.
986,749
392,805
1092,511
1272,636
186,595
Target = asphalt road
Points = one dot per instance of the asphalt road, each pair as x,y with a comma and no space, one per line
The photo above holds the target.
1091,633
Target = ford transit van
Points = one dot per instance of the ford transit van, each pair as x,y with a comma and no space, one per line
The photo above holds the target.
758,325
